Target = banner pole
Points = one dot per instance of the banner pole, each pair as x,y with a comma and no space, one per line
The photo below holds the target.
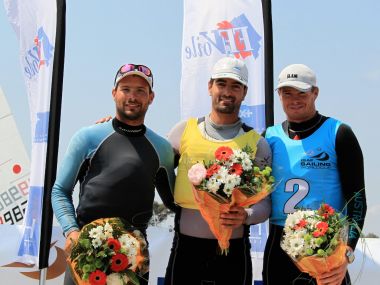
53,137
268,42
43,276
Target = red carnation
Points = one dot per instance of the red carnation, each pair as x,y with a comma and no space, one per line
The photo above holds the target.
98,278
326,211
119,262
113,244
236,168
212,169
322,228
223,153
302,224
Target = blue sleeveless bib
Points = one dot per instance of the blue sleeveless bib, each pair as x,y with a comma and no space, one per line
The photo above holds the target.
305,171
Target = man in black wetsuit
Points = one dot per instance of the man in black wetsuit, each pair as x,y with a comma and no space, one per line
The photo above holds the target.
118,163
317,159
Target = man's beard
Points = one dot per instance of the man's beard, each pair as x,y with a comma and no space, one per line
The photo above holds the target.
135,116
226,109
230,109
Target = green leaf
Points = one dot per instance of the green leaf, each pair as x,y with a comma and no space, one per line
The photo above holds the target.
85,276
86,268
101,254
132,277
90,258
99,263
85,243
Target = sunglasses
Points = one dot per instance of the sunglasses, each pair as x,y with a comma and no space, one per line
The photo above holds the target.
134,67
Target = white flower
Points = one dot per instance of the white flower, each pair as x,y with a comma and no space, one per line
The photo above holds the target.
228,191
108,230
127,240
313,243
239,155
221,174
96,242
114,279
213,184
236,157
96,232
244,158
294,218
246,164
108,235
131,245
296,246
231,182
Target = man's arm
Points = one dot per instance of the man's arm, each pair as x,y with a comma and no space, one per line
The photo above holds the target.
351,172
175,134
260,212
165,176
165,188
63,188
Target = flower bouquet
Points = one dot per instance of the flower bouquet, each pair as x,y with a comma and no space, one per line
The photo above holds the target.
316,239
230,179
106,253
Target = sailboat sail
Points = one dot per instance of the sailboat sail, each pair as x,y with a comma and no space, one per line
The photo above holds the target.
14,168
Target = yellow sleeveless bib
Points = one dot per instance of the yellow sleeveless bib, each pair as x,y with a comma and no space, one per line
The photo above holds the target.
195,148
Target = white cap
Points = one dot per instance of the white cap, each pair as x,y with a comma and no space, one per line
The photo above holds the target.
298,76
231,67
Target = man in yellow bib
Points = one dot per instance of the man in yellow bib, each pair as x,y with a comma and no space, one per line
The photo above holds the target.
194,259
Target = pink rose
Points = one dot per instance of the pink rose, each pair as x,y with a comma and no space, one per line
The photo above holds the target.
197,173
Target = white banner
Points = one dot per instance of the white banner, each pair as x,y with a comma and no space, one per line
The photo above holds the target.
213,29
34,22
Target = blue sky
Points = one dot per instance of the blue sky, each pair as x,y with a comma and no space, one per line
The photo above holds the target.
338,39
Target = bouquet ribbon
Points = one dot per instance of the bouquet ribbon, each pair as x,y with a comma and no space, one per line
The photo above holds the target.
315,265
211,209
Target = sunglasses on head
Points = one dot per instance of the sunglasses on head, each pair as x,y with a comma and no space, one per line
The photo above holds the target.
135,67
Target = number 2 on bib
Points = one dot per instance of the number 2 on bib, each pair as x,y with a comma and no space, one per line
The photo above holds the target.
300,188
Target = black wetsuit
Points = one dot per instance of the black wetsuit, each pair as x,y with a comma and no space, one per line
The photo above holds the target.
118,167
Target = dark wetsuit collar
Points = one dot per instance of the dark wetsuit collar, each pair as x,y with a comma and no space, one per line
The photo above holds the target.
128,130
304,126
304,129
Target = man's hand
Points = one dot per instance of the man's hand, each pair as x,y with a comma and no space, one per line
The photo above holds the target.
234,218
103,120
71,239
333,277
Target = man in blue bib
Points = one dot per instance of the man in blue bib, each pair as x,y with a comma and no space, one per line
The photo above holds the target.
316,159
